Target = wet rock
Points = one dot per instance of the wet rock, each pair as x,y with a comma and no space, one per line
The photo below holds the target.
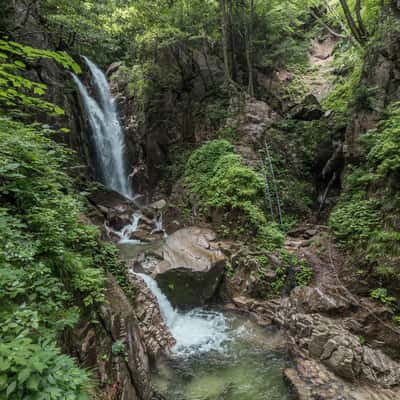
302,392
114,67
328,341
308,110
155,334
124,374
317,300
152,210
192,267
309,233
147,236
264,312
115,208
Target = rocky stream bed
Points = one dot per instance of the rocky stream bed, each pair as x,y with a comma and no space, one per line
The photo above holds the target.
210,339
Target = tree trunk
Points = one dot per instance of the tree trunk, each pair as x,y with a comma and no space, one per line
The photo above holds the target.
249,49
360,22
231,40
351,23
225,39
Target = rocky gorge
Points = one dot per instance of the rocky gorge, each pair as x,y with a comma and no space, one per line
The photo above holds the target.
240,213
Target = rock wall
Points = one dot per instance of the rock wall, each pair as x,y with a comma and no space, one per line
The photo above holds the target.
381,75
114,349
121,347
25,25
169,114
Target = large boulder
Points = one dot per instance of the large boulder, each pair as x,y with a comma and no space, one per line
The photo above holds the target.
192,267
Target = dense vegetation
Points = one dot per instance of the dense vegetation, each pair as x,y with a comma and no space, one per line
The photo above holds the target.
216,176
366,221
52,263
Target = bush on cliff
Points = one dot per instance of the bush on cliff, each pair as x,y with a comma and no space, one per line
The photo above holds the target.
366,221
217,178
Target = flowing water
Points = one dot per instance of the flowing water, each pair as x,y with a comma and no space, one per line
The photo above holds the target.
196,331
108,136
219,356
125,233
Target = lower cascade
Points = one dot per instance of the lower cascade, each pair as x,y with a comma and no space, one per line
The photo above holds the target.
195,331
218,355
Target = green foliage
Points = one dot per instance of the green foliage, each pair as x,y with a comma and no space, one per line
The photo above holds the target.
348,68
381,295
16,91
236,187
366,220
304,274
51,265
39,371
279,282
82,26
200,166
216,176
363,98
356,222
384,144
118,348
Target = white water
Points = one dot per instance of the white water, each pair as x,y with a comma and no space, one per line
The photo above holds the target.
196,331
107,131
125,233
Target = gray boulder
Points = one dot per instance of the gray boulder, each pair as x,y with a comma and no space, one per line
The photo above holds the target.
192,267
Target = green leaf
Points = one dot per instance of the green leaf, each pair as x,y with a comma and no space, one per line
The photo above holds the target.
4,364
33,382
3,380
11,387
24,375
20,64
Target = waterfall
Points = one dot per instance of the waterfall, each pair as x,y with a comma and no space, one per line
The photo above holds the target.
107,132
125,233
195,331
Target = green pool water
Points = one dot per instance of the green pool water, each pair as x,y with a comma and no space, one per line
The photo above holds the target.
250,367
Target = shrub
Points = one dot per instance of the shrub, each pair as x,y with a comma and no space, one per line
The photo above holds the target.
384,144
51,266
381,295
304,275
40,371
355,222
216,175
201,164
366,220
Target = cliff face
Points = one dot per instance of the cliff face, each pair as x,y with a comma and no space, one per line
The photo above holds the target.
379,85
24,24
169,109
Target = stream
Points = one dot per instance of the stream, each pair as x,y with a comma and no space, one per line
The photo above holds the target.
218,355
248,365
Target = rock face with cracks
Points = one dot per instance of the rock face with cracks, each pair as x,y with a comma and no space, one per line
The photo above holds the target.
329,342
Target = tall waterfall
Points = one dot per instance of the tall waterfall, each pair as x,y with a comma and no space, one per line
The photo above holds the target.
107,132
195,331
